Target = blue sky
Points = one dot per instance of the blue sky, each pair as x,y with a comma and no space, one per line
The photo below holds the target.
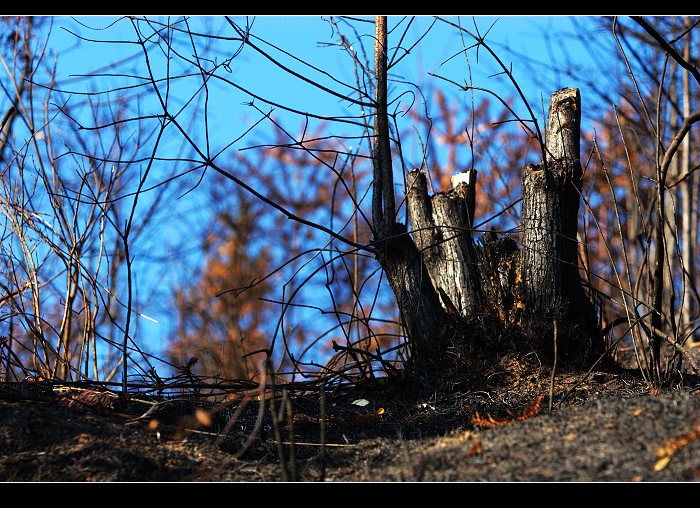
533,47
537,37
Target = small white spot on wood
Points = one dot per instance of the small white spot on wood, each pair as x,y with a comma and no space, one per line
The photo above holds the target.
464,177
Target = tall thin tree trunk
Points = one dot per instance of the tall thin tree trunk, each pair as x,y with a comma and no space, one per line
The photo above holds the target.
421,313
634,232
383,204
689,209
670,223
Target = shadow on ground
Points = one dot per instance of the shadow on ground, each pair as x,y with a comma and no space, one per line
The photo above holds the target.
604,427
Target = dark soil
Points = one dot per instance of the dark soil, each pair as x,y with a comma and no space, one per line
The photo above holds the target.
608,426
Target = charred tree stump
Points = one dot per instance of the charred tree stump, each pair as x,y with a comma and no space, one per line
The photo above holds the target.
442,231
421,314
449,290
551,192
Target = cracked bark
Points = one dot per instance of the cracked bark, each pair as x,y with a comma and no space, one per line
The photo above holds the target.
551,195
442,229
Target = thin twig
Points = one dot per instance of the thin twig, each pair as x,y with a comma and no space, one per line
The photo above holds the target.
275,415
290,425
322,430
554,370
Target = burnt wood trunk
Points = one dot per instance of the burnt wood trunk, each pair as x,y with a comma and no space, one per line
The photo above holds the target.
446,286
442,231
551,196
422,316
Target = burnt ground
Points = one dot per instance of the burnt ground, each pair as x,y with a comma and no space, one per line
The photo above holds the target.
607,426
